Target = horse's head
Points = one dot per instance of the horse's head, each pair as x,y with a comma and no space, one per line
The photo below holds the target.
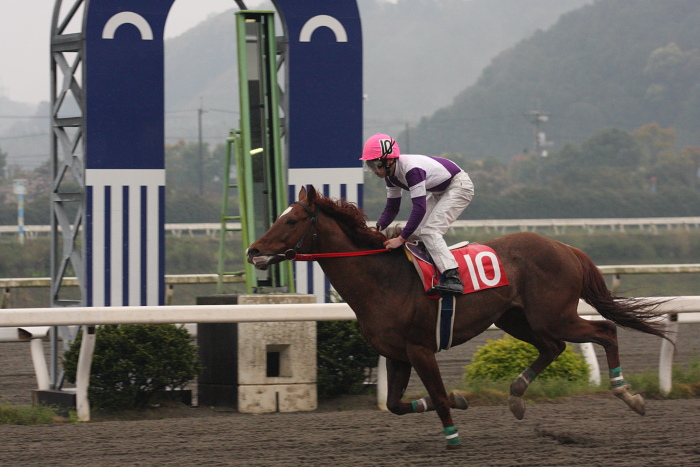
293,229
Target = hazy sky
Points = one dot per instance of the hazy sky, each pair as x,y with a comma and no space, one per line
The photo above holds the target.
24,40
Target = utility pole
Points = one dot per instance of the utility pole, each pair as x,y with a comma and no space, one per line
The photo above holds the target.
20,188
200,111
537,118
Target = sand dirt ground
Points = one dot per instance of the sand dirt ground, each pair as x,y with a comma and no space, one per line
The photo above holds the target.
351,431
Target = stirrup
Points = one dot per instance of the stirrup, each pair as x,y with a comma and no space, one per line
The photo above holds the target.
452,289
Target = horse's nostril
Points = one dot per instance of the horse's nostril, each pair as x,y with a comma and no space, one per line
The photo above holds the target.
252,252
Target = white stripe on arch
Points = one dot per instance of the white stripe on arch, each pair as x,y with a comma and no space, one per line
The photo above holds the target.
116,247
98,238
134,181
352,178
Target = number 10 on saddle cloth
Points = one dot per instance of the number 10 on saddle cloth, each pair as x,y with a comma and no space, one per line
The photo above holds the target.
479,269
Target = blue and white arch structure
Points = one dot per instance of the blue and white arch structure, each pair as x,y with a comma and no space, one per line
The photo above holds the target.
124,133
324,87
125,155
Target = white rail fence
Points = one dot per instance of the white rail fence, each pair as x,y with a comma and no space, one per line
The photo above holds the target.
171,280
34,323
651,224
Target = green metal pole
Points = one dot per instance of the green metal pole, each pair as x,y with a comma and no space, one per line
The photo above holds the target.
245,189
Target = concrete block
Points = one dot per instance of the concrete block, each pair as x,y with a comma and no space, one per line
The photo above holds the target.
277,398
259,367
276,353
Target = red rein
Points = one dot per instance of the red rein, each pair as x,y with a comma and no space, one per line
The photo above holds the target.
314,256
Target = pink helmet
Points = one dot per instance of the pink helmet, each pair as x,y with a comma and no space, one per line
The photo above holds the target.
380,145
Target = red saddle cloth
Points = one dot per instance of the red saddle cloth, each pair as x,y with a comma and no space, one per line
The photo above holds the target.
479,267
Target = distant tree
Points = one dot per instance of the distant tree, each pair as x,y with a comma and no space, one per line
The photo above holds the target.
188,171
655,142
672,73
692,154
611,147
676,170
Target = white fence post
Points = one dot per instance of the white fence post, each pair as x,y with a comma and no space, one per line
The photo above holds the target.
82,380
36,347
666,356
593,368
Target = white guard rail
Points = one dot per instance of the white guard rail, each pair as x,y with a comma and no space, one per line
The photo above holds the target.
653,224
42,317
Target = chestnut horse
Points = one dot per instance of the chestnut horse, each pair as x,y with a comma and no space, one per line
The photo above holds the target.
539,306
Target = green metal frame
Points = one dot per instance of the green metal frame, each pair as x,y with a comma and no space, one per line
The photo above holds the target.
232,151
239,143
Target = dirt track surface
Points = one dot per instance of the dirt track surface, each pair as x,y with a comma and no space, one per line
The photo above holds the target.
578,432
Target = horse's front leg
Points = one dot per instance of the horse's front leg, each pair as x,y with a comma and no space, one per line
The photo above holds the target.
423,360
397,373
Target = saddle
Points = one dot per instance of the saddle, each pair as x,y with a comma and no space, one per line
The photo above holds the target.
479,266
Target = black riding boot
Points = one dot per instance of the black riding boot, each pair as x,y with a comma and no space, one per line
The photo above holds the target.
450,283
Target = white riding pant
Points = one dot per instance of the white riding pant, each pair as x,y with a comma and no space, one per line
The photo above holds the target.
442,209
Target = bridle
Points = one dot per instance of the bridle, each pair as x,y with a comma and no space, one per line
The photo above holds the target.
313,217
292,254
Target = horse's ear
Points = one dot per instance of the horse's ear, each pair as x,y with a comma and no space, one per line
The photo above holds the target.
311,195
302,193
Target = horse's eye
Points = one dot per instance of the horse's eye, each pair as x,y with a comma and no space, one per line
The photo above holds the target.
291,222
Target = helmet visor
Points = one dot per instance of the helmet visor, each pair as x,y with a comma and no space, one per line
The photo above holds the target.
373,165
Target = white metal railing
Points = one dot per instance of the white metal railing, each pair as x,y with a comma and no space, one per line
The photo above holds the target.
171,280
27,320
653,224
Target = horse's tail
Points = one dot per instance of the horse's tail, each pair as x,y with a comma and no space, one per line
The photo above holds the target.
631,313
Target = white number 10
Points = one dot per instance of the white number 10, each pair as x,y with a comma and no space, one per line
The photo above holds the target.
478,273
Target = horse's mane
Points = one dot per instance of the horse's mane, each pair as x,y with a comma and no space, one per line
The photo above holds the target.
353,221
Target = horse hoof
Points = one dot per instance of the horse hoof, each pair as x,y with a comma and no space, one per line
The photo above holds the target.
457,401
637,404
517,406
634,402
450,447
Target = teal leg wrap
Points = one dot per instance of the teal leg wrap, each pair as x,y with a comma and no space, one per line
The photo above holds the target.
451,436
421,405
616,378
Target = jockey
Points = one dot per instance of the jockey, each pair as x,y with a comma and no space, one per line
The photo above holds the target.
440,191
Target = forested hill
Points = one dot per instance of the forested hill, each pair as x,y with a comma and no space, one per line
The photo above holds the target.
614,63
418,54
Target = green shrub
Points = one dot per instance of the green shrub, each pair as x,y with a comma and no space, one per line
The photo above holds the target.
343,358
132,363
506,358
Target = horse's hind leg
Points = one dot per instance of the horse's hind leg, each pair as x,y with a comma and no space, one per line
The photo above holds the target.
604,333
514,323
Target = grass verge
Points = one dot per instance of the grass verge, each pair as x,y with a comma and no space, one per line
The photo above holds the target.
22,415
686,385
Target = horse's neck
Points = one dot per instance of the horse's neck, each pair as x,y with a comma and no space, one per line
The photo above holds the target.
352,277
